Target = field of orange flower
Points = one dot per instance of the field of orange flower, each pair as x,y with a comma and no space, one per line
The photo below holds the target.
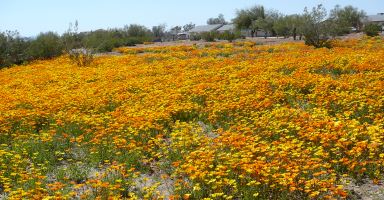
220,121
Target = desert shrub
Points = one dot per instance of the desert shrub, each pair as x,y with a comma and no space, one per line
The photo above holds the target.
103,40
132,42
372,29
195,37
17,50
209,36
46,45
81,57
227,35
107,40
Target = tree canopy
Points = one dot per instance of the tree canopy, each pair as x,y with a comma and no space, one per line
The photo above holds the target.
218,20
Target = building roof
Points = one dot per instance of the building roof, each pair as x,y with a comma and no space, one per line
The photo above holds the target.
205,28
376,18
227,27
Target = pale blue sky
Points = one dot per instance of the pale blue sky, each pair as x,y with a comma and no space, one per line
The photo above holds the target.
30,17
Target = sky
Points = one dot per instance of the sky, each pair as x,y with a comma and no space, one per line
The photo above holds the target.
30,17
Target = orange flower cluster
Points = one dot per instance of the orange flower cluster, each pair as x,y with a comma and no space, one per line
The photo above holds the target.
220,121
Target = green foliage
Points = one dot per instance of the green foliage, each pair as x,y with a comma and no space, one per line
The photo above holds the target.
282,27
106,40
46,45
103,40
242,20
372,29
245,18
315,28
265,24
209,36
138,31
79,46
132,41
228,35
347,17
12,49
218,20
195,37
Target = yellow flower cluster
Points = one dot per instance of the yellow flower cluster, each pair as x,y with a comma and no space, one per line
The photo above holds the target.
220,121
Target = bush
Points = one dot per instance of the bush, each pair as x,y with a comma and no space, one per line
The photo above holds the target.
195,37
132,41
208,36
372,29
107,40
81,57
17,50
103,40
46,45
318,42
230,36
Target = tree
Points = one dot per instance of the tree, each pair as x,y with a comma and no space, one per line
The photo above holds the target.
315,30
174,31
71,38
218,20
188,27
158,31
136,30
12,49
347,17
245,18
46,45
296,25
242,20
265,24
282,26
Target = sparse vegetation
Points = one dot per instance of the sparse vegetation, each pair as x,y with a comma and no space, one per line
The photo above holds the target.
209,36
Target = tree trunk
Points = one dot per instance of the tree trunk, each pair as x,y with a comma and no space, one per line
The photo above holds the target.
294,33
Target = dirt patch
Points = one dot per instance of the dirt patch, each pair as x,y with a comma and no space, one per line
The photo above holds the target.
367,190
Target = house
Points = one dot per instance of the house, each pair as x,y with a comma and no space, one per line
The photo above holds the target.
183,36
377,19
221,28
205,28
262,33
